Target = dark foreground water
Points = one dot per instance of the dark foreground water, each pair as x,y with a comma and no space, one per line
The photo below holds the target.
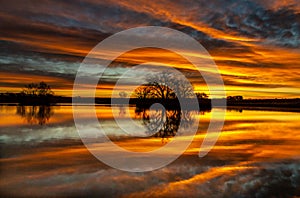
256,155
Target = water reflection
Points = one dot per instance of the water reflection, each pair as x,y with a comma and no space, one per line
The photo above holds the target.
256,154
164,123
35,114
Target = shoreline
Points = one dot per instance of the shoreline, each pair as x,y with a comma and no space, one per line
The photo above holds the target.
228,107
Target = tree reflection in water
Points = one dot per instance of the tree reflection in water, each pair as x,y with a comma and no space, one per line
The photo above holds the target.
35,114
165,123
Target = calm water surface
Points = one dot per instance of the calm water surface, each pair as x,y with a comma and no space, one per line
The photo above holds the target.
256,155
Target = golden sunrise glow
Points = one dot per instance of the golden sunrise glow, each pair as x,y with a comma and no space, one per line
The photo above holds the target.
252,66
244,78
91,107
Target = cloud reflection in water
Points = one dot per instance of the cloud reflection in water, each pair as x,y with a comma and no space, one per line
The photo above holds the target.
257,154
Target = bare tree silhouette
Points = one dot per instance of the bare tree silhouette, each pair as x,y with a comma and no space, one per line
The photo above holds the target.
165,88
33,89
142,92
159,87
36,93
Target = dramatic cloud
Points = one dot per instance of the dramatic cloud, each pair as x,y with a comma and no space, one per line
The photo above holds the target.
257,39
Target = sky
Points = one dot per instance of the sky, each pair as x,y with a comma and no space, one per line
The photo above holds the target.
255,44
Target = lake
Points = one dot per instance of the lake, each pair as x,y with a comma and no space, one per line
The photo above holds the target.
257,154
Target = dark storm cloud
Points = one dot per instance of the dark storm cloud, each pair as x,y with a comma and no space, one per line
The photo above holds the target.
87,23
281,27
237,18
53,37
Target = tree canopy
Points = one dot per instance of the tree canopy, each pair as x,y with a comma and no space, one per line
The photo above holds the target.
166,86
37,90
